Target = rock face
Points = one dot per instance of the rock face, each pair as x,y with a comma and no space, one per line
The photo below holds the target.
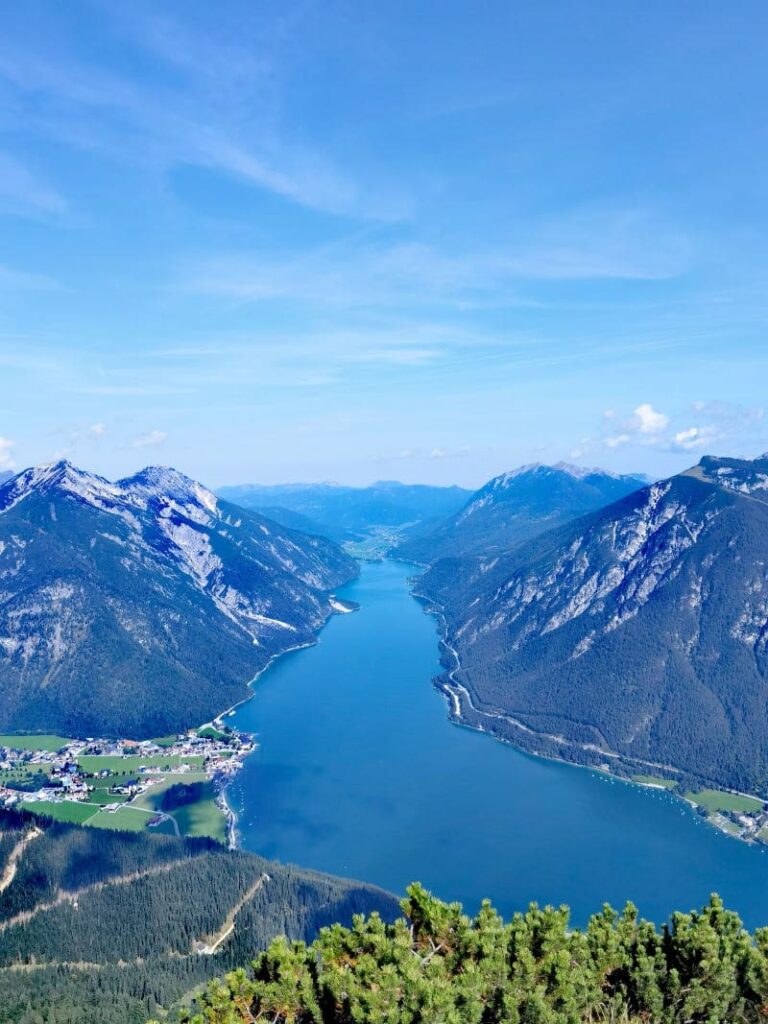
637,633
517,506
144,606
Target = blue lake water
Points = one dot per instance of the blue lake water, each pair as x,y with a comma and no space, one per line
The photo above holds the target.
360,773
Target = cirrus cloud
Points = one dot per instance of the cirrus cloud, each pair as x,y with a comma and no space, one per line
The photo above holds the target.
152,439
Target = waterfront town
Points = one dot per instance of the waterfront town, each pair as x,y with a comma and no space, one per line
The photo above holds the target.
172,784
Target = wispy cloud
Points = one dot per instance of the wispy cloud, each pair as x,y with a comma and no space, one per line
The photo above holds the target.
205,99
624,245
152,439
6,453
22,192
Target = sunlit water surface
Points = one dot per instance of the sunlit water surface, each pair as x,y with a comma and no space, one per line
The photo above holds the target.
359,772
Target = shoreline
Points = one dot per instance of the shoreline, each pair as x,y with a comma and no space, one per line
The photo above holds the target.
453,691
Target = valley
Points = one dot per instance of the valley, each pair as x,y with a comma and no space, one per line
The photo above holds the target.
358,772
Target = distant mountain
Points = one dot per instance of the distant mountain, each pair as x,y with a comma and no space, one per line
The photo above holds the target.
348,513
636,634
144,606
5,474
116,924
517,506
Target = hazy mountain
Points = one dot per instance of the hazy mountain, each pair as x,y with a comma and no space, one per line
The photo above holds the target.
637,632
140,607
5,474
516,506
346,513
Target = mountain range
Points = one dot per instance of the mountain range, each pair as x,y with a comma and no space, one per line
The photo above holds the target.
637,634
349,513
142,607
516,506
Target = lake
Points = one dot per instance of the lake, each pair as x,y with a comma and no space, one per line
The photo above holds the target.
360,773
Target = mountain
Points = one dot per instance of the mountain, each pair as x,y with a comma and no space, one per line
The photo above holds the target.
349,513
517,506
141,607
636,634
102,927
5,474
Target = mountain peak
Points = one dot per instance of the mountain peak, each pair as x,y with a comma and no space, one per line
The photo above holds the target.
153,481
51,476
167,482
743,476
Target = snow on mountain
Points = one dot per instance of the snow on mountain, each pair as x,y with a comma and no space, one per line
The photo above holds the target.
638,632
516,506
149,587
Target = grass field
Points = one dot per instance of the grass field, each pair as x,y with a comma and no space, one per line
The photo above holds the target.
124,819
46,742
128,765
103,796
209,733
203,818
151,800
20,774
654,780
727,826
66,811
716,800
165,741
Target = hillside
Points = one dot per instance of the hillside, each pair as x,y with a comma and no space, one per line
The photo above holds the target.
349,513
635,634
145,606
105,928
515,507
440,966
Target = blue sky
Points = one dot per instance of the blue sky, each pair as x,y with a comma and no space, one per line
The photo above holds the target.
341,240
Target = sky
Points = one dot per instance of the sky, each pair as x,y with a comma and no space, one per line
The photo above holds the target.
375,239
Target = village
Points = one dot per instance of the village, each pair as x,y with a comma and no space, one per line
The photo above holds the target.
172,784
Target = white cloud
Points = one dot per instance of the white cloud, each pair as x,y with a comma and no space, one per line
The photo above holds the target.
450,453
720,427
6,453
617,440
649,420
149,440
97,430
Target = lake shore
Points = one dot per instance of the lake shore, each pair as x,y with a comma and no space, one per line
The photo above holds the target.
751,829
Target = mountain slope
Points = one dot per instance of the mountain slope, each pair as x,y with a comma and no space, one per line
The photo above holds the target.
515,507
101,927
637,633
347,513
144,606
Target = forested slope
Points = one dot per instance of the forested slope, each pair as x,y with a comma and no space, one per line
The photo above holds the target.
514,507
144,606
440,967
104,928
636,633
